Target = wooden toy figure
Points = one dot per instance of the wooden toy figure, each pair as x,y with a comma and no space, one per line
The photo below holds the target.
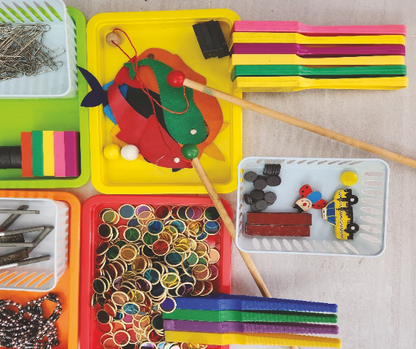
309,199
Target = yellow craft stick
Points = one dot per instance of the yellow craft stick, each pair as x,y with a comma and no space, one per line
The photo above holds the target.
287,38
268,59
48,154
252,339
297,83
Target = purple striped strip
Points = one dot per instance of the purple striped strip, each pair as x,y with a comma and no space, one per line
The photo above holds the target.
303,50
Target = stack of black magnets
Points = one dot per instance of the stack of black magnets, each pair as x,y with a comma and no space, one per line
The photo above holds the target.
211,39
10,157
258,199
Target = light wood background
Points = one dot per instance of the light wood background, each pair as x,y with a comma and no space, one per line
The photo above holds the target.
376,296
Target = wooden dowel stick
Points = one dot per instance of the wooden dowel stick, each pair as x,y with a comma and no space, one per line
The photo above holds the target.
229,225
302,124
231,228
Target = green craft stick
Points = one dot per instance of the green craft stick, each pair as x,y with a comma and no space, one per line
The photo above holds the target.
44,12
339,72
54,12
5,14
24,13
13,12
33,12
37,153
247,316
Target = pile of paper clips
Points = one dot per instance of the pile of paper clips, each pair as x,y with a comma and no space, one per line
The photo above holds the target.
22,51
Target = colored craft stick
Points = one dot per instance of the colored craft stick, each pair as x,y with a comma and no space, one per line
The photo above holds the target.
339,72
59,154
287,38
249,316
251,339
277,230
253,59
252,303
326,50
37,153
72,153
247,327
297,27
279,218
26,146
297,83
48,154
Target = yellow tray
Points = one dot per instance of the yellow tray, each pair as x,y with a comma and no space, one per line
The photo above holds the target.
172,31
297,83
268,59
247,37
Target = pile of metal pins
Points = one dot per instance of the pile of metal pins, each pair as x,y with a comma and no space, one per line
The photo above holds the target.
22,51
26,327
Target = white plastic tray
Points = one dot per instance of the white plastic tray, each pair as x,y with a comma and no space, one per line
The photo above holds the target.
370,213
41,276
61,83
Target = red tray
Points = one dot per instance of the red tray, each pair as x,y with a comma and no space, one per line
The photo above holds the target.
89,331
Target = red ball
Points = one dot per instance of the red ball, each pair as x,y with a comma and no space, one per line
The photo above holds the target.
176,78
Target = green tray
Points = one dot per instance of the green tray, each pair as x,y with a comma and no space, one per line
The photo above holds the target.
20,115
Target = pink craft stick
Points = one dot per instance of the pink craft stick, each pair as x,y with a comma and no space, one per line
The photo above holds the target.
72,153
59,154
297,27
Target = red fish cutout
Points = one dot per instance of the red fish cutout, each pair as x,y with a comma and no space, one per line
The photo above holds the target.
154,143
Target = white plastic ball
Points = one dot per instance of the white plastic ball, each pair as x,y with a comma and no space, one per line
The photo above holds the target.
130,152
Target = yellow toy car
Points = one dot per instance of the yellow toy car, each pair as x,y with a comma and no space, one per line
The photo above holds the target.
339,213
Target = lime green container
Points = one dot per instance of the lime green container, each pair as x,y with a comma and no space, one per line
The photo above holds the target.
60,114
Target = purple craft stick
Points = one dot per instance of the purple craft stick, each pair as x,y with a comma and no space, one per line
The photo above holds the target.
302,50
248,327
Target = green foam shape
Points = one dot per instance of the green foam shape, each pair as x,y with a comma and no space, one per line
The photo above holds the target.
179,126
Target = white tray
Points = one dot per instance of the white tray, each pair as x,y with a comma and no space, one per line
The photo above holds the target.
61,83
41,276
370,213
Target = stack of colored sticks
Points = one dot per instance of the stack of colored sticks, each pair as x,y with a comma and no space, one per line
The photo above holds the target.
221,319
50,154
290,56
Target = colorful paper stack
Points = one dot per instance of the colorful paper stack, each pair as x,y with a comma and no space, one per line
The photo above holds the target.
221,319
290,56
50,154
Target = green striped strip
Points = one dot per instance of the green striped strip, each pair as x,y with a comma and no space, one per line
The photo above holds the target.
300,70
247,316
